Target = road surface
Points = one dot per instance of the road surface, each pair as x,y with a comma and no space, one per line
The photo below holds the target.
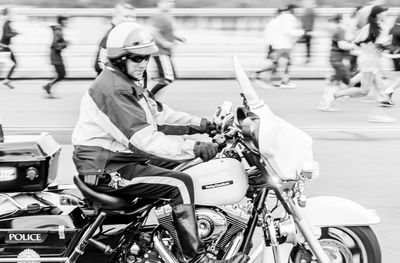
359,160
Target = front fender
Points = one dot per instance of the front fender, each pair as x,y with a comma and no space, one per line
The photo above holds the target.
336,211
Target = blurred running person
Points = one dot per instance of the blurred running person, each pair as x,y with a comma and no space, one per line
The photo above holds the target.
360,18
58,44
395,56
269,35
283,33
363,13
163,30
394,82
123,12
307,21
395,32
372,38
8,34
339,51
352,31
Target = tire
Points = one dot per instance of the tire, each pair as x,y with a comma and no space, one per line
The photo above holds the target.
345,244
359,241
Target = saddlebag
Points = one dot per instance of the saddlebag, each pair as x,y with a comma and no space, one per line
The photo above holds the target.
38,232
28,163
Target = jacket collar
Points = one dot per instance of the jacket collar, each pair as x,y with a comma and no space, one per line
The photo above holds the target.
136,86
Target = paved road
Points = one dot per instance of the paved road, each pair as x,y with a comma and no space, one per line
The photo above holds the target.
359,160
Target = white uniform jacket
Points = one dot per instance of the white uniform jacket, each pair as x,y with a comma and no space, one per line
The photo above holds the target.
120,122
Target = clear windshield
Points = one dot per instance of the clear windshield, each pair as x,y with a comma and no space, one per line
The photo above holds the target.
284,147
247,89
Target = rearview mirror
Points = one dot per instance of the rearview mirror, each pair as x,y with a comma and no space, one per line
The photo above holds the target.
227,121
222,112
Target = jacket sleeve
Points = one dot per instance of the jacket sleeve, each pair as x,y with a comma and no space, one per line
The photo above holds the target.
133,119
178,123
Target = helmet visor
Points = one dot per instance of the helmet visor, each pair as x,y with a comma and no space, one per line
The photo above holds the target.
144,49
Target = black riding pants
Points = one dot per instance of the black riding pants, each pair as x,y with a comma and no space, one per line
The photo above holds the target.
153,182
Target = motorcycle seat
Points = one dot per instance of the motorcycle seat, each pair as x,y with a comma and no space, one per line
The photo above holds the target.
105,201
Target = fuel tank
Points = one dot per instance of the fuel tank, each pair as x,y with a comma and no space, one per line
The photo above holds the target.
218,182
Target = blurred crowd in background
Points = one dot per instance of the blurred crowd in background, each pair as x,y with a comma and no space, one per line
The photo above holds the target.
187,3
358,41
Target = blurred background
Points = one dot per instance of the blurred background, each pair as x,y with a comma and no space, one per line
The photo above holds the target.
187,3
213,30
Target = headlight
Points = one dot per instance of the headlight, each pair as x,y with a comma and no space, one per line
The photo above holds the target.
8,174
251,130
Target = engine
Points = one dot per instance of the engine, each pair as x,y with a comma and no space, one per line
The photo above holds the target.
138,249
211,223
216,226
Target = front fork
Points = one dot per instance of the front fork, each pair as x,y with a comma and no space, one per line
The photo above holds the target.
270,231
306,231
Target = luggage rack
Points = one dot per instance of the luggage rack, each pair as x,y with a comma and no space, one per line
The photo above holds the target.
32,207
12,200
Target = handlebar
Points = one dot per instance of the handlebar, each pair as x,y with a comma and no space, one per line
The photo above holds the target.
223,137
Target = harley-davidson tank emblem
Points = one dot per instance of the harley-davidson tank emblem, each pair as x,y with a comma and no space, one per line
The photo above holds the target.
25,237
216,185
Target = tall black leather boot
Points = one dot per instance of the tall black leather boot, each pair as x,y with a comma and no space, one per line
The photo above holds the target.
193,248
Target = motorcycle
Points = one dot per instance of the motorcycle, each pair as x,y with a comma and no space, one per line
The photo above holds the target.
256,182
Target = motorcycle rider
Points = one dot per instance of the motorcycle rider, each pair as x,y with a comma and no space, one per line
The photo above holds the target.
121,126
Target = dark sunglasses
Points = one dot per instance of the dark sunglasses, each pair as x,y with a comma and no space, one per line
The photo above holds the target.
138,58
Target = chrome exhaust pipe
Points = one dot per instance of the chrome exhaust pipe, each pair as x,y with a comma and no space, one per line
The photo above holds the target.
165,254
235,246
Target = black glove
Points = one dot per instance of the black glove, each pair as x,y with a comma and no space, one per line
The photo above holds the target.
206,151
211,128
220,140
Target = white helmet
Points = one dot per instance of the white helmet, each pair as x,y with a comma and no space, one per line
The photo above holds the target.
130,37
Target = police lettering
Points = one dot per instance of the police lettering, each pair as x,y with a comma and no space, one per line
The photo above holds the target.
25,237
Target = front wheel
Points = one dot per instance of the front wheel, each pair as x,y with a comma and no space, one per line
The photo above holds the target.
346,244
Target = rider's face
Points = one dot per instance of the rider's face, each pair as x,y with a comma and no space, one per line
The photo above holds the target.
136,65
